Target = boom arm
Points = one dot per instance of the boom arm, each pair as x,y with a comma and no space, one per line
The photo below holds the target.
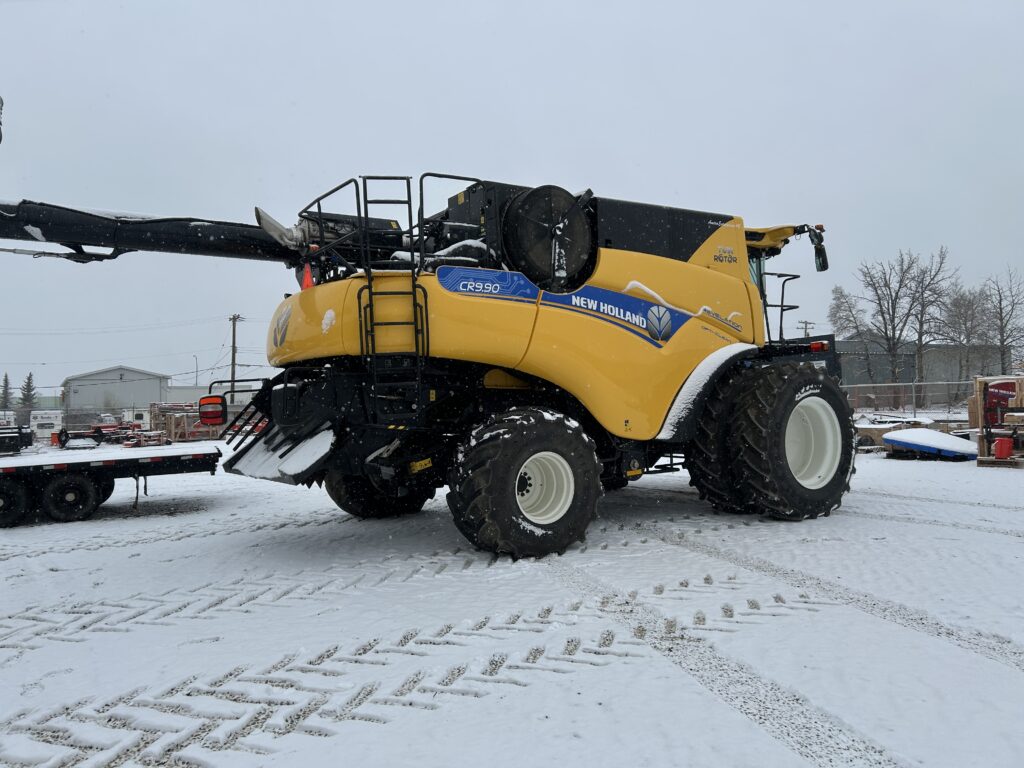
75,229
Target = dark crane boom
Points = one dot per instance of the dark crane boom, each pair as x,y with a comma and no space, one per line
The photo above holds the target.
121,233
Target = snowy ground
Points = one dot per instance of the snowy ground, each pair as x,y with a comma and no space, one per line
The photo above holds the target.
236,622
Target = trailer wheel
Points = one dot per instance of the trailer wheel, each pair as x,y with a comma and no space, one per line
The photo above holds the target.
362,497
707,457
794,440
105,488
15,500
68,498
526,483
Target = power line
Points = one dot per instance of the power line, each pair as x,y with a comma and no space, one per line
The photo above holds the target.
109,329
120,358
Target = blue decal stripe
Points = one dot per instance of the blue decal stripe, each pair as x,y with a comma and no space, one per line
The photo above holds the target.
606,319
589,301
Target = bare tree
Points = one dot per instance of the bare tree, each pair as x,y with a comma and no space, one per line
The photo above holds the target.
929,282
962,324
890,292
1004,306
846,315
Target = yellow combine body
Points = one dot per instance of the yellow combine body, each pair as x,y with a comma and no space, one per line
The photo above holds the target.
569,343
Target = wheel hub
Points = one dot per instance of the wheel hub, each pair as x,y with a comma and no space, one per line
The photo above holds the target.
545,488
814,442
524,485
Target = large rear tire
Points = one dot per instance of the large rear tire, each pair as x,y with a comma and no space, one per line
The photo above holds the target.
361,497
526,483
793,438
69,498
15,500
707,457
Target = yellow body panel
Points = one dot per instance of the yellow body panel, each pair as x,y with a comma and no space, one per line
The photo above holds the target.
462,326
624,380
624,373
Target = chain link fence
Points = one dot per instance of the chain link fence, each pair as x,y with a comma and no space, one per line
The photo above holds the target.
923,397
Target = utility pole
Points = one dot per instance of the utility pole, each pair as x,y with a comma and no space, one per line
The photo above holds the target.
234,350
806,325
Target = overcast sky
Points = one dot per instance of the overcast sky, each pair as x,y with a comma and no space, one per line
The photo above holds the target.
896,124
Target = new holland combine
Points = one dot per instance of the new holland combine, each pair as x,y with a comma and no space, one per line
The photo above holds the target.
524,346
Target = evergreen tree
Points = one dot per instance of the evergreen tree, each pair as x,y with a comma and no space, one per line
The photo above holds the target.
5,394
28,394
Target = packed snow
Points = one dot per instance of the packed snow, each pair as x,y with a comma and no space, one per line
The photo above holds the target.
233,622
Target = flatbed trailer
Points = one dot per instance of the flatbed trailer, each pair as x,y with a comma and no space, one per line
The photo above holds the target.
69,485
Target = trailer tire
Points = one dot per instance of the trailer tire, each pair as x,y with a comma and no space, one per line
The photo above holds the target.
526,483
361,497
105,488
793,438
15,501
69,498
707,456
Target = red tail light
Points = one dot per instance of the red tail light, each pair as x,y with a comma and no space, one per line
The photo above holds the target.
819,346
213,410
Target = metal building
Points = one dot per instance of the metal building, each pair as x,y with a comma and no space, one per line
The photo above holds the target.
114,388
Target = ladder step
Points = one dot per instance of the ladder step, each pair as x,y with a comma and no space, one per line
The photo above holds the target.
387,201
375,323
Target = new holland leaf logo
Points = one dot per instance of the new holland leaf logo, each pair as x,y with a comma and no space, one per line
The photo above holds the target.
281,327
659,323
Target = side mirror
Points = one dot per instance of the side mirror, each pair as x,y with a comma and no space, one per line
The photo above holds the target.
213,410
820,256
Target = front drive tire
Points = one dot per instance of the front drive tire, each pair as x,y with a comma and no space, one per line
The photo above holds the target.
526,483
363,498
707,456
793,438
69,498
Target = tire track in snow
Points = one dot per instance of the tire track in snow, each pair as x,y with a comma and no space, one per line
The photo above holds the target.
984,644
928,499
1019,534
99,542
851,511
812,733
78,622
246,709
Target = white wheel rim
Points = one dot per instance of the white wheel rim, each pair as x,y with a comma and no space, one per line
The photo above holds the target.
814,442
544,488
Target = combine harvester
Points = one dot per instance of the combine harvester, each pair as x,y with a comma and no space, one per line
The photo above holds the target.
524,346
